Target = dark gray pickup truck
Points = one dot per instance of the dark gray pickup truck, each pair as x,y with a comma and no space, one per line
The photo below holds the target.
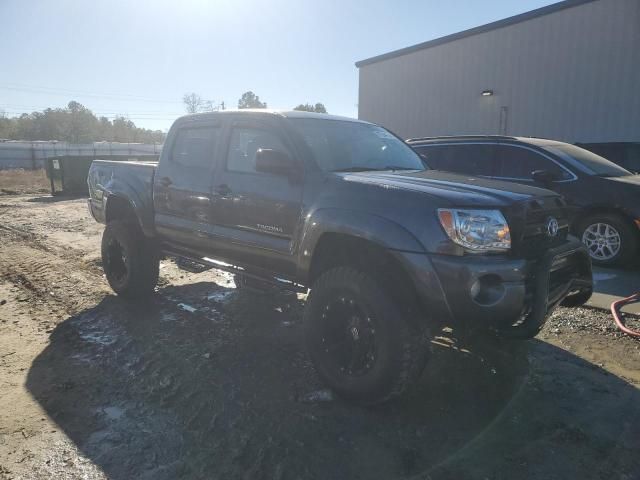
390,250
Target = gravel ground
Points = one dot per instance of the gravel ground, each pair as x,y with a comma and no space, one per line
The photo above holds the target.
206,381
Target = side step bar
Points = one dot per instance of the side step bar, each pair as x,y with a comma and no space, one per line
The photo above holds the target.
199,265
189,265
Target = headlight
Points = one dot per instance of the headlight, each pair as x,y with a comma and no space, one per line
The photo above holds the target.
476,230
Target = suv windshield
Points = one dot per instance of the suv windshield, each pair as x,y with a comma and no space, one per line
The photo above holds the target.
352,146
588,162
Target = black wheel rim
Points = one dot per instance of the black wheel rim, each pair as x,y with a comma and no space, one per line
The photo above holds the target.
348,336
117,261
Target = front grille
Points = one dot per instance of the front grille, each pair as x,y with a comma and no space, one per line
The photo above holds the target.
534,238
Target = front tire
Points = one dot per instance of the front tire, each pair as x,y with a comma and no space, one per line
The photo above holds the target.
577,299
610,239
130,260
359,338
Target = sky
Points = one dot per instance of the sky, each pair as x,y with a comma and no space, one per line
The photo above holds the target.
138,58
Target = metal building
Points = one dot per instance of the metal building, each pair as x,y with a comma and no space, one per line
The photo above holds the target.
569,71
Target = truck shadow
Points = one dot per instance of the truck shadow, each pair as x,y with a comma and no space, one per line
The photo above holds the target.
58,197
209,382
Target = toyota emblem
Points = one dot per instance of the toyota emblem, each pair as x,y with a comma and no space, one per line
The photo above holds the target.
552,227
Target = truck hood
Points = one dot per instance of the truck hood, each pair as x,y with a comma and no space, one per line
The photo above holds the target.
460,190
627,179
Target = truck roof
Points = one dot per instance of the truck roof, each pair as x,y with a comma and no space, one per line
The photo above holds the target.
281,113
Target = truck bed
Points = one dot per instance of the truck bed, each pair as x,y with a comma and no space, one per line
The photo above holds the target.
131,179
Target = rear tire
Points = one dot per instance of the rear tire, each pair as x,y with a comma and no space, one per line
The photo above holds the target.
129,259
359,338
610,239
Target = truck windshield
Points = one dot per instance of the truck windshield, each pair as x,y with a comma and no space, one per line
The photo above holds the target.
588,162
352,146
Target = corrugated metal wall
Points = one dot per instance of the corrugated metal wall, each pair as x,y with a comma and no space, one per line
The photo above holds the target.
29,155
572,75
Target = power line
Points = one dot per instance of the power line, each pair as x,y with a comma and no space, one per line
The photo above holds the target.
116,117
16,86
112,114
66,92
99,112
158,115
20,109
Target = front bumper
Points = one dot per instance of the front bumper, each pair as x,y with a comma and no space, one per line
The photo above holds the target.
512,297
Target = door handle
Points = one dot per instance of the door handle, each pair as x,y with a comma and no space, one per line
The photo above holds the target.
222,189
165,181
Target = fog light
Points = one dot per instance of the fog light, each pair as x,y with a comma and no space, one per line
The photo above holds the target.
487,290
475,289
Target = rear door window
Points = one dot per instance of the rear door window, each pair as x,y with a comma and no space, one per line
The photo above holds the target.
517,163
194,148
468,159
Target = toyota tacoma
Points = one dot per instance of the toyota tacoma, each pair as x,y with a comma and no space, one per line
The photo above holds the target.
388,250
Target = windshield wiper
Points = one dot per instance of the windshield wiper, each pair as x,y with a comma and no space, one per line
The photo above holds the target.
398,167
357,169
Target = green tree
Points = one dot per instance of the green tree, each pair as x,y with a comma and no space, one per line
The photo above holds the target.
251,100
6,126
82,122
307,107
76,124
320,108
105,129
123,130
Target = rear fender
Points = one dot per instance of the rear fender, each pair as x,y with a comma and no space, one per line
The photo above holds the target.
141,207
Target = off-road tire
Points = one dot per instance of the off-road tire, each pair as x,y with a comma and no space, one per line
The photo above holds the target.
629,238
141,272
401,353
577,299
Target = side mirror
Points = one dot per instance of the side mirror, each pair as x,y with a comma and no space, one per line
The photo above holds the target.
274,161
543,177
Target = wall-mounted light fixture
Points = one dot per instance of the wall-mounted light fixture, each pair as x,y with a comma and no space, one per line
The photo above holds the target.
487,93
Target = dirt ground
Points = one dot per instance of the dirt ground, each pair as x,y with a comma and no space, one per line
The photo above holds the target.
206,381
19,180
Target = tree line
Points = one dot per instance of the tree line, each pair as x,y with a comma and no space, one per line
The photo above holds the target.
77,124
74,124
194,103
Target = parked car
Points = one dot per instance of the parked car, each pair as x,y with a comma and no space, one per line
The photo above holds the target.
391,250
625,154
606,196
